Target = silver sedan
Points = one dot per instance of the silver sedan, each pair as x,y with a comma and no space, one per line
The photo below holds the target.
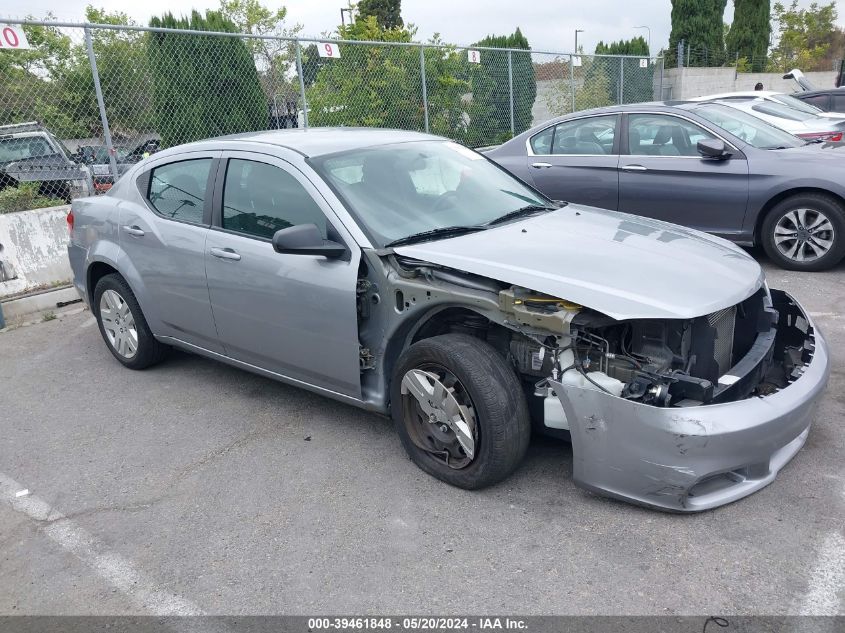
408,275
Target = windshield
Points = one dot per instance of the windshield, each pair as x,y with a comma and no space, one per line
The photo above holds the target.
19,148
403,189
749,128
797,104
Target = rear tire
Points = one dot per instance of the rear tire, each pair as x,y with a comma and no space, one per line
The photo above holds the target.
805,232
123,326
488,396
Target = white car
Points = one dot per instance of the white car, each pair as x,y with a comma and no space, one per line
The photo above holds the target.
775,97
782,113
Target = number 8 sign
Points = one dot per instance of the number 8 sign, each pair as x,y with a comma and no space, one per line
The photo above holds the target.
474,57
328,49
12,36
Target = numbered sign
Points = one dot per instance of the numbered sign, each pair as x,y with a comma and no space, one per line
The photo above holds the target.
576,60
474,57
643,63
12,37
328,49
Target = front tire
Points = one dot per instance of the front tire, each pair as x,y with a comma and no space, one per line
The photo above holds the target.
123,326
460,411
805,232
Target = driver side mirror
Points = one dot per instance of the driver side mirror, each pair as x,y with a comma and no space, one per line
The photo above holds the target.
713,148
306,239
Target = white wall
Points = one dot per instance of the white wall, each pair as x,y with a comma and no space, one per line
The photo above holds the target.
686,83
35,244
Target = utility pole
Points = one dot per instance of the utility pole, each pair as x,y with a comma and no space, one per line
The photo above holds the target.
577,31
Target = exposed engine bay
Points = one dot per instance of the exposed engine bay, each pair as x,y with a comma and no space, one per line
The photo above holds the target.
754,348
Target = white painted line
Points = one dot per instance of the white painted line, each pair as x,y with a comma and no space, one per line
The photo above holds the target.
830,315
145,594
22,493
827,581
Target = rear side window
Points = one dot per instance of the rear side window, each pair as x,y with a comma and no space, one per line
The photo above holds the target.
260,199
820,101
838,103
177,190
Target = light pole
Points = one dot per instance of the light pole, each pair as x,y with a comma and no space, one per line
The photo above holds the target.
349,11
577,31
649,37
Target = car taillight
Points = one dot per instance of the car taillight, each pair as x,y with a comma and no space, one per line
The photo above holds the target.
70,222
831,137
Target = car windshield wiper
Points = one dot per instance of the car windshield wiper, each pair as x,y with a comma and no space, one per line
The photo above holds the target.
529,209
443,231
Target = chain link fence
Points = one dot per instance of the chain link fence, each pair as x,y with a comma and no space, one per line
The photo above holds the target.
687,55
86,102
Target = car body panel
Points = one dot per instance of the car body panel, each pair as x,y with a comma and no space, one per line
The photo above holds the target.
622,265
277,311
662,458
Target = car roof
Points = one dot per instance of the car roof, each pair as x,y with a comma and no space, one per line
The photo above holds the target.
738,93
312,142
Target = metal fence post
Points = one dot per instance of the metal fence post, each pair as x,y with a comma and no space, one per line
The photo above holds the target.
510,88
89,44
621,79
662,61
301,86
572,82
680,54
424,89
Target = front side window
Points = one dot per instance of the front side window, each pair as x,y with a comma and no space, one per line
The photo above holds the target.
663,135
260,199
402,189
177,190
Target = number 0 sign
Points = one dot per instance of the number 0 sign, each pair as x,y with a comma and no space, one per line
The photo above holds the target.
12,37
328,49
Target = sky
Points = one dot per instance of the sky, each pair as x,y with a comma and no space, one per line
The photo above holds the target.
548,24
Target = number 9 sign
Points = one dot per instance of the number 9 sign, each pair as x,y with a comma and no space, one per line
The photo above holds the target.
329,49
12,36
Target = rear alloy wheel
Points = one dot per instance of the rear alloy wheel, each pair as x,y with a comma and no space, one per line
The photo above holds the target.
805,232
459,410
123,326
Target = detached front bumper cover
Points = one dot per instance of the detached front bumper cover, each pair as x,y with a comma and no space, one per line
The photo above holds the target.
694,458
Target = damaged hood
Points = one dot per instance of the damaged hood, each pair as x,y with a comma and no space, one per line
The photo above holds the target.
624,266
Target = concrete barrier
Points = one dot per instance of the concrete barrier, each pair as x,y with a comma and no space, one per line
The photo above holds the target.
33,250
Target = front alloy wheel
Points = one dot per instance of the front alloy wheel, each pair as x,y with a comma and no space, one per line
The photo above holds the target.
460,410
805,232
804,235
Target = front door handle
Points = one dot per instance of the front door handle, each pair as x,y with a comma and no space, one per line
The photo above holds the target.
225,253
634,168
134,231
541,165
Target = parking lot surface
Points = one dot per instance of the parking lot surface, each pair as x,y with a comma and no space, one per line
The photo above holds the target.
194,487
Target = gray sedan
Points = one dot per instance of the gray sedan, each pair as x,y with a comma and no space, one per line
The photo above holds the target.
411,276
703,165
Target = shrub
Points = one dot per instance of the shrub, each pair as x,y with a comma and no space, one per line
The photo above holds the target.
25,197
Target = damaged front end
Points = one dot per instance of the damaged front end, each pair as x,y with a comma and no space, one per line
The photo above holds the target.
687,415
682,414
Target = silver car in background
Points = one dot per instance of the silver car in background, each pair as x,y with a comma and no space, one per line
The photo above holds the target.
412,277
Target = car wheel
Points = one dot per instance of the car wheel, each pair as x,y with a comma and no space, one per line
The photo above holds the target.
123,326
805,232
459,410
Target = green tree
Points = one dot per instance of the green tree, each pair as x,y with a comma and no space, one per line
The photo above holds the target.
698,23
491,91
805,37
203,86
386,12
748,36
637,82
273,57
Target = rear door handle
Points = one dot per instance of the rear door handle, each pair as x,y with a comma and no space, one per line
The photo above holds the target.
225,253
541,165
634,168
133,230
